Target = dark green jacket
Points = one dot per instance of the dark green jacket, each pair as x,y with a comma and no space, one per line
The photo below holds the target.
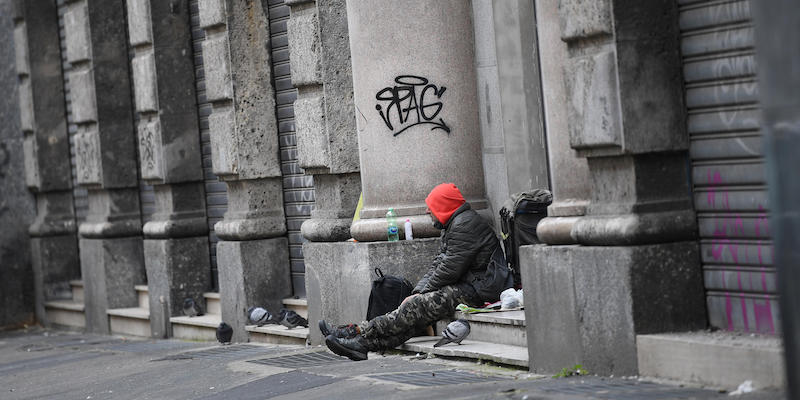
467,245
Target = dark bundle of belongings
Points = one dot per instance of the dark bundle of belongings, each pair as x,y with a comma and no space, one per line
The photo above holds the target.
518,219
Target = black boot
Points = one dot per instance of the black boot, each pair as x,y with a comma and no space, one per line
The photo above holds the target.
353,349
341,331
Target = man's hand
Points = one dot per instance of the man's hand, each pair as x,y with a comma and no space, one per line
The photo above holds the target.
409,298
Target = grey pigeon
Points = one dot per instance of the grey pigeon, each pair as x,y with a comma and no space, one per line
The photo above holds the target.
260,316
190,308
224,333
456,331
291,319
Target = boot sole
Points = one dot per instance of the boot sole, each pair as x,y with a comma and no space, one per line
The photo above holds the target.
340,350
323,327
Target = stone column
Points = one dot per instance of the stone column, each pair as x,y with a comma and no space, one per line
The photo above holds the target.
325,123
17,207
253,252
111,241
416,108
46,150
176,241
637,270
569,173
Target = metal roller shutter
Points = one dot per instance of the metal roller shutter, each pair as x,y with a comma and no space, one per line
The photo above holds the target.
730,192
298,188
216,192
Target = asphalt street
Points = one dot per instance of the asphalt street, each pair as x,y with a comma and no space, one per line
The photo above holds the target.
49,364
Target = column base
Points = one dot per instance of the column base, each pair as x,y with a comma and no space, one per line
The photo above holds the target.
176,269
585,305
252,273
55,263
339,276
110,269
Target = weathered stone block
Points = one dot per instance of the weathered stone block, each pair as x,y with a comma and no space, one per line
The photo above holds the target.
76,27
139,25
31,164
180,212
335,200
84,103
212,13
312,140
337,73
339,275
55,214
144,82
217,67
88,164
252,272
176,269
585,305
255,210
26,114
303,31
593,99
150,149
21,49
224,146
581,19
112,213
111,268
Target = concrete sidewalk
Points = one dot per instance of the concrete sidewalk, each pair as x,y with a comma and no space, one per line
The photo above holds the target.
47,364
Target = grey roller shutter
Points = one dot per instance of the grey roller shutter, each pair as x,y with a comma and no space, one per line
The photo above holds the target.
298,188
216,193
730,192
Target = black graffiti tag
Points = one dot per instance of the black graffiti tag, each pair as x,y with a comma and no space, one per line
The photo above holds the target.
404,105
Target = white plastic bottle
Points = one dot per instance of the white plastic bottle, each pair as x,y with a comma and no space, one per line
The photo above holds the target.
407,228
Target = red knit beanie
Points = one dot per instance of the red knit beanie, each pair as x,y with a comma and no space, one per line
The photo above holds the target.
444,200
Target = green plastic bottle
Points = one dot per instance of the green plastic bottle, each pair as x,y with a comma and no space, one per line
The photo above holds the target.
392,231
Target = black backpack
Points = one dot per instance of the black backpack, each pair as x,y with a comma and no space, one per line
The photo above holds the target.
387,293
518,219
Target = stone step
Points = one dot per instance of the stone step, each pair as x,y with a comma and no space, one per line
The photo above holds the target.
718,359
134,321
77,290
212,303
277,334
143,295
202,327
299,306
66,313
471,349
501,327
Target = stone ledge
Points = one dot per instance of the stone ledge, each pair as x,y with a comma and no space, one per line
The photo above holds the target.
721,359
211,295
515,318
132,312
141,288
76,283
205,321
295,302
69,305
279,330
499,353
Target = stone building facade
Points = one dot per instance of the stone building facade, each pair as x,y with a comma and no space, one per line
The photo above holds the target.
641,118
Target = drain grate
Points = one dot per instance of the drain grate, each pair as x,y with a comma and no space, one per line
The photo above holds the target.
623,390
301,360
223,352
437,378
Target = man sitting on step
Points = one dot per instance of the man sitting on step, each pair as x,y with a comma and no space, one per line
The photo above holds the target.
458,274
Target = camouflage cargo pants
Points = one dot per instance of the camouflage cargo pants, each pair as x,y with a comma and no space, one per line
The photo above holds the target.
393,329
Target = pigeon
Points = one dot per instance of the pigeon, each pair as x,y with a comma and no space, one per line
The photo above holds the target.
224,333
291,319
456,331
260,316
190,308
